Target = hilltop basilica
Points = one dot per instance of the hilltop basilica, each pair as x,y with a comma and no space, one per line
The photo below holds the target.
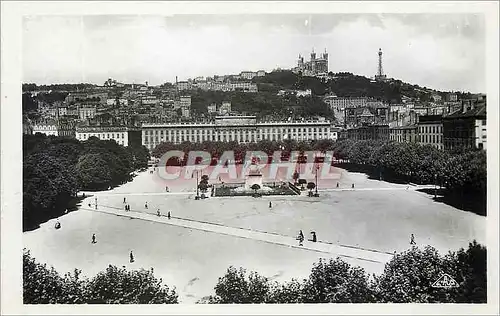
314,67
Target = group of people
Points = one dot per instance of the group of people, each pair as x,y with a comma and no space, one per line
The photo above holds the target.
300,237
159,213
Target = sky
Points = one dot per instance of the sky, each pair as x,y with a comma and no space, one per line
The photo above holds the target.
440,51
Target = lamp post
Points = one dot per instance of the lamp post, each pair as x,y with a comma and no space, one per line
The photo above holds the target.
197,185
316,187
435,185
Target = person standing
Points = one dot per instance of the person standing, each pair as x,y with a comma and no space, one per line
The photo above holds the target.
146,205
131,257
158,213
352,186
270,204
168,215
124,200
313,237
93,239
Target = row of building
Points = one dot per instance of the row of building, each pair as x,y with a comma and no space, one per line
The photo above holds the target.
244,86
465,128
462,129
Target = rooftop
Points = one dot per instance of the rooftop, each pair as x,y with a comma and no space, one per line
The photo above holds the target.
477,111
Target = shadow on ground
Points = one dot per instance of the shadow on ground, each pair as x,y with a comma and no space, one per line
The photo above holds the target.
45,215
474,202
469,202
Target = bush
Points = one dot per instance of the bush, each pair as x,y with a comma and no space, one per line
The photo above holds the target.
336,281
119,286
407,278
113,286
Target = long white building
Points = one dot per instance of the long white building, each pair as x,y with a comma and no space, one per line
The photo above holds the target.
117,133
242,129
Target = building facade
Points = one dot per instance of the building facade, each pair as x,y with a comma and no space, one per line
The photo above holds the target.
47,129
465,128
404,134
430,130
118,134
370,132
248,75
241,129
86,112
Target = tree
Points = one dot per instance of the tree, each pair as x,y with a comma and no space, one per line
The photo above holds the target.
311,186
409,276
203,186
236,288
335,281
471,274
48,185
42,285
93,172
119,286
287,293
113,286
301,183
255,187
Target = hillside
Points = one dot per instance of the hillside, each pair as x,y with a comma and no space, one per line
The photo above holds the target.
345,84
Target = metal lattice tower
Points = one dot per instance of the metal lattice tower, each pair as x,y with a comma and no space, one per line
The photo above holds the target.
380,69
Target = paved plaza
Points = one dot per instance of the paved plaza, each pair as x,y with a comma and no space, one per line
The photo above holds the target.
204,237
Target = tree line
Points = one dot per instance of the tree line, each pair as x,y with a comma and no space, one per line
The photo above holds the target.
460,172
409,277
463,170
56,168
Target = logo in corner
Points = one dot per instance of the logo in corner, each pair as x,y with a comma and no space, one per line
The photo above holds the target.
445,281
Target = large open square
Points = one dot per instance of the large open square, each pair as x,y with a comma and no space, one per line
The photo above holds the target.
204,237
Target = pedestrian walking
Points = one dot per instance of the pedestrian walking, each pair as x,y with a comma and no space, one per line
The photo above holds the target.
352,186
58,225
168,215
412,240
90,205
131,257
124,200
146,205
337,184
93,239
158,212
300,238
270,204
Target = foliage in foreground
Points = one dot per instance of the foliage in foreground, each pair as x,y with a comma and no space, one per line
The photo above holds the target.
407,278
42,285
